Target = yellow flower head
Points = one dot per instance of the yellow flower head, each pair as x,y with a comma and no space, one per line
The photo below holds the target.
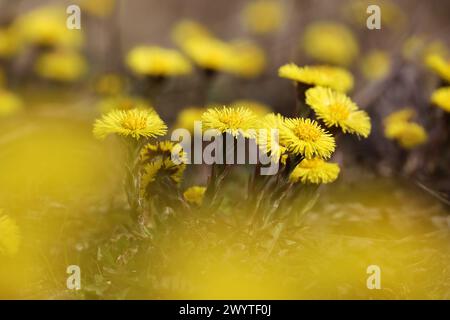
159,169
163,149
233,120
263,16
195,195
135,123
98,8
403,115
376,65
397,126
188,29
306,137
314,171
10,103
248,60
258,108
156,61
335,109
268,137
46,26
187,118
10,42
441,98
333,77
209,53
122,103
66,66
330,42
9,236
439,65
109,84
392,15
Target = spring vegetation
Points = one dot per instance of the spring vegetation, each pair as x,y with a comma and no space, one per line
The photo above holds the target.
92,176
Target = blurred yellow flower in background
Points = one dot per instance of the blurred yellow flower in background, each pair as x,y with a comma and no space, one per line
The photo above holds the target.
157,62
122,102
46,26
399,127
315,171
333,77
189,29
335,109
403,115
61,65
233,120
209,53
9,236
10,103
10,42
306,137
109,84
439,65
248,60
195,195
258,108
376,65
392,15
268,137
187,117
135,123
441,98
330,42
98,8
263,16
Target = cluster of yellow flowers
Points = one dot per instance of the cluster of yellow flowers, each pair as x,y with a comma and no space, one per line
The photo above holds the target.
399,127
302,138
45,30
242,58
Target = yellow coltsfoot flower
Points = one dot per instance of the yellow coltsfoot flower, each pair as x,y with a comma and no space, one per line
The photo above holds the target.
330,42
195,195
441,98
326,76
439,65
187,117
157,62
187,29
314,171
9,236
46,26
248,60
268,137
306,137
210,53
158,169
162,149
263,16
335,109
65,66
134,123
376,65
399,127
233,120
